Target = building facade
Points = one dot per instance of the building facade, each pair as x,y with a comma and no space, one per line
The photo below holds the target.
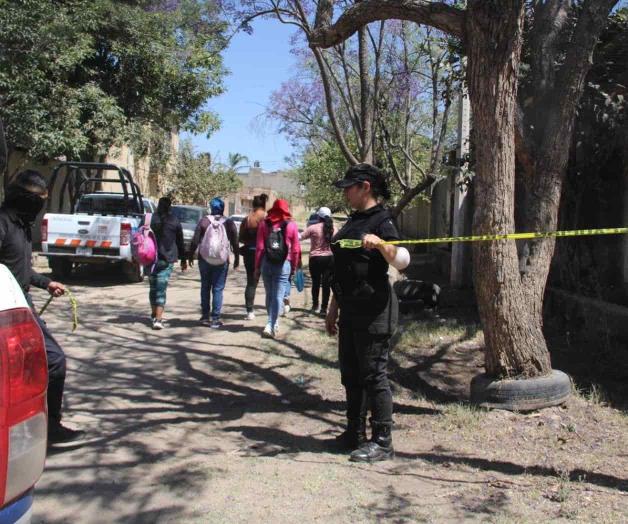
276,184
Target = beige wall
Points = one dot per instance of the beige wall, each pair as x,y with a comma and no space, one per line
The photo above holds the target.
276,184
147,176
414,221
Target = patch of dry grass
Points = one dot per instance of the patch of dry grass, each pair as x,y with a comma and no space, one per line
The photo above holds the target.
462,418
436,331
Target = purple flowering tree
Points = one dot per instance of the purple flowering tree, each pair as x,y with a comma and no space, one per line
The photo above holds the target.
382,96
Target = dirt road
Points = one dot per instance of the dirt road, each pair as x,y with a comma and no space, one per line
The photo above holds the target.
191,424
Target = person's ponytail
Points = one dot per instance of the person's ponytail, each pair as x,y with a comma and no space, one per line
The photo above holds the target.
380,188
259,201
328,229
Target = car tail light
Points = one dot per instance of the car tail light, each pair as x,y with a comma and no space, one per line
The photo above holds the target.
44,230
125,234
23,422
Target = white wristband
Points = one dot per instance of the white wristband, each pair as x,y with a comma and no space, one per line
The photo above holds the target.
402,259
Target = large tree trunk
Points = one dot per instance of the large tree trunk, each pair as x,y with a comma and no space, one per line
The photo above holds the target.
515,345
552,133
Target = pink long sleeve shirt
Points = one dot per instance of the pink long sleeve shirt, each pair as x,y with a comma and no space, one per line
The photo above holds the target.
319,247
292,241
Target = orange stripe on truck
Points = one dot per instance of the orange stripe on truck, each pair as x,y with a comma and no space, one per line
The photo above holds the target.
76,242
60,242
90,243
106,244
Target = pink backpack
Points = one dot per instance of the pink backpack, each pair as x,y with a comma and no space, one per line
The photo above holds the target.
144,243
214,247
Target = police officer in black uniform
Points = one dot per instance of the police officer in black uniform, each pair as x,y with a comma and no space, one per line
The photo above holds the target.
364,312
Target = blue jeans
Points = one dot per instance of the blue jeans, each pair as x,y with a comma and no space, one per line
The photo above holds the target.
275,281
287,289
213,279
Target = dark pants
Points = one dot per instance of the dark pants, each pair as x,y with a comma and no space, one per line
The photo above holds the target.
56,374
320,271
363,361
251,281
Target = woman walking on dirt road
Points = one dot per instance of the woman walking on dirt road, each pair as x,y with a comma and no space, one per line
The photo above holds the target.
363,312
277,256
248,237
321,259
169,236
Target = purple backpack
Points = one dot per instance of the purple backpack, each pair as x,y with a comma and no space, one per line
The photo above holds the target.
214,246
144,243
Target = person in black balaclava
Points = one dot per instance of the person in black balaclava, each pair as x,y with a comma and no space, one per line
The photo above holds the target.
25,198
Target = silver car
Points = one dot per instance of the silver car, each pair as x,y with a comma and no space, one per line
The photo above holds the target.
189,216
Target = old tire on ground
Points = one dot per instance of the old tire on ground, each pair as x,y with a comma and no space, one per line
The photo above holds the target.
134,272
60,267
521,395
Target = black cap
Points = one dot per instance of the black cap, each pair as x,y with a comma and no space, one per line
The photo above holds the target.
358,174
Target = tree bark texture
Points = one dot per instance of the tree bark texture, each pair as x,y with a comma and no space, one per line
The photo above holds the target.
515,345
437,14
551,141
366,114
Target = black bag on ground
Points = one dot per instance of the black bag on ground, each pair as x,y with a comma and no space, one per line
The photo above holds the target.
275,247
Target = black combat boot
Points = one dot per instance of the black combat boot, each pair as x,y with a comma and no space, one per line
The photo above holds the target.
353,437
378,448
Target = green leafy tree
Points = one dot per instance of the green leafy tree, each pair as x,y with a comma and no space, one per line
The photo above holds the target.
77,77
320,166
195,180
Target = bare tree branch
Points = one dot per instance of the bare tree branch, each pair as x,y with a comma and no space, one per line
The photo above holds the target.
388,149
436,14
346,95
347,78
366,152
408,196
331,111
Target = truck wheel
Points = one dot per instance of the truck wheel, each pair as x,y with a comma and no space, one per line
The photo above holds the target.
60,267
134,272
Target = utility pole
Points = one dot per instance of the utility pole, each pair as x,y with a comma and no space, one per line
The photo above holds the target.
460,274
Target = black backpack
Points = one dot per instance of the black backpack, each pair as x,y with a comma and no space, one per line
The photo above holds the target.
275,247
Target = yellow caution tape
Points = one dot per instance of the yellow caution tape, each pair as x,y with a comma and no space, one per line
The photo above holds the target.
73,303
349,243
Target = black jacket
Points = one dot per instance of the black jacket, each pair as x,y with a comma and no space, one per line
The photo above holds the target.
169,235
360,277
16,251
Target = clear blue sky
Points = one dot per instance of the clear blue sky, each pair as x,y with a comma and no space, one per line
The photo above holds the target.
258,64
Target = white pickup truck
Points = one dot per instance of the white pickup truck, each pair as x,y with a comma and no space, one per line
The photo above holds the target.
98,225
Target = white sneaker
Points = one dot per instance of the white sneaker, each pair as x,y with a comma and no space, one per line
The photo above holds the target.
268,332
158,324
276,329
250,316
